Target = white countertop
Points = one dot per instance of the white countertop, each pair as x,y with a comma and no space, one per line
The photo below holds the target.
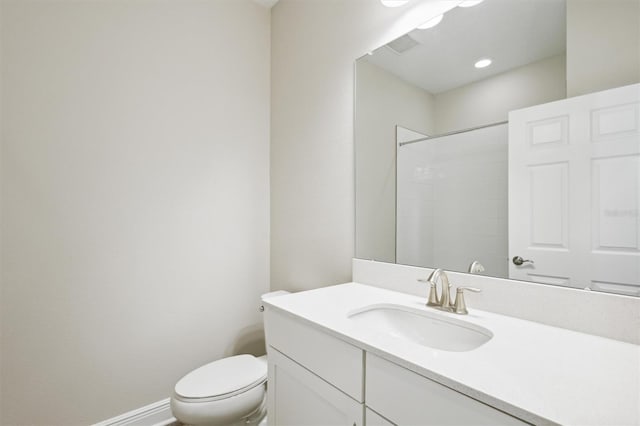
541,374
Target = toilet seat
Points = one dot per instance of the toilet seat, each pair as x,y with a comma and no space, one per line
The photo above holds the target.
222,379
225,392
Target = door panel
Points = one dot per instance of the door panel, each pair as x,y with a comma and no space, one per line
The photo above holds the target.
574,191
549,205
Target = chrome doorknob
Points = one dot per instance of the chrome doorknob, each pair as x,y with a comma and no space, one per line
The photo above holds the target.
519,261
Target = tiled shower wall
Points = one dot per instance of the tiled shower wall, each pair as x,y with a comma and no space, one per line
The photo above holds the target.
453,191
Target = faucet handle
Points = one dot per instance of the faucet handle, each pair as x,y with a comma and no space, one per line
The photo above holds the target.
459,306
433,292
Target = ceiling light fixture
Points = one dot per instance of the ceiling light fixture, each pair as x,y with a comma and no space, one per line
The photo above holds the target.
470,3
394,3
483,63
431,22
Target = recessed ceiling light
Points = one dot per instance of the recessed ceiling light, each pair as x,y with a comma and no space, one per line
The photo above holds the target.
431,22
483,63
470,3
394,3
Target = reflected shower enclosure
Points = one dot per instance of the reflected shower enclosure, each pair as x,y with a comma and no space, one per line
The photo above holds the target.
452,194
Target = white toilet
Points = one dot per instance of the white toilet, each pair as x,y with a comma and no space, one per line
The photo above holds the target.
227,392
230,391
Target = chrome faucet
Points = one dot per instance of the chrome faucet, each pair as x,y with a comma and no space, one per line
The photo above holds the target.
444,301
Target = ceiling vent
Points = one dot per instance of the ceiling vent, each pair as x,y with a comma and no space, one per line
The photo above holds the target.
402,44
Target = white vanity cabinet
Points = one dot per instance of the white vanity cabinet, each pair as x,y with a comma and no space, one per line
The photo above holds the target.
406,398
299,397
314,378
374,419
318,379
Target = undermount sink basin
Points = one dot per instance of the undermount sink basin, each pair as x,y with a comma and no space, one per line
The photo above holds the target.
433,330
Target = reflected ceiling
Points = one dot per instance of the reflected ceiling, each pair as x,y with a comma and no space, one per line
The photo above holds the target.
512,33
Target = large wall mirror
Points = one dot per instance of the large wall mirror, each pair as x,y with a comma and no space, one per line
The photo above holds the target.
481,145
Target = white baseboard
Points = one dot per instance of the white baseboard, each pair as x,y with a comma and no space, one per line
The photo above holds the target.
156,414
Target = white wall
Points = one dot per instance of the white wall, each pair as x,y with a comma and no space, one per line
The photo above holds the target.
135,189
490,100
603,45
314,45
384,101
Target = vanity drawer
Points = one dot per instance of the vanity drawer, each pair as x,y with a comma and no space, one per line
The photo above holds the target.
407,398
334,360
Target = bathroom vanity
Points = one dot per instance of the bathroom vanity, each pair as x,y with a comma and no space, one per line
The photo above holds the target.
523,168
355,354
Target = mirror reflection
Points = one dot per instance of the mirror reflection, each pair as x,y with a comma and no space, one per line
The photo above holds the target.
462,145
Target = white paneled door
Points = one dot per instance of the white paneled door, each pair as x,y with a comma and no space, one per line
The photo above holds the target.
574,192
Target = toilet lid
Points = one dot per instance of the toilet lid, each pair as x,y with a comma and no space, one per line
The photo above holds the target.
225,376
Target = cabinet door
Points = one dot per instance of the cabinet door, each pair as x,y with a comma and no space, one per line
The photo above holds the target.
374,419
337,362
297,397
407,398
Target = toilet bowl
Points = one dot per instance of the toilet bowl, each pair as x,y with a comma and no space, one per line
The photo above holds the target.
228,392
